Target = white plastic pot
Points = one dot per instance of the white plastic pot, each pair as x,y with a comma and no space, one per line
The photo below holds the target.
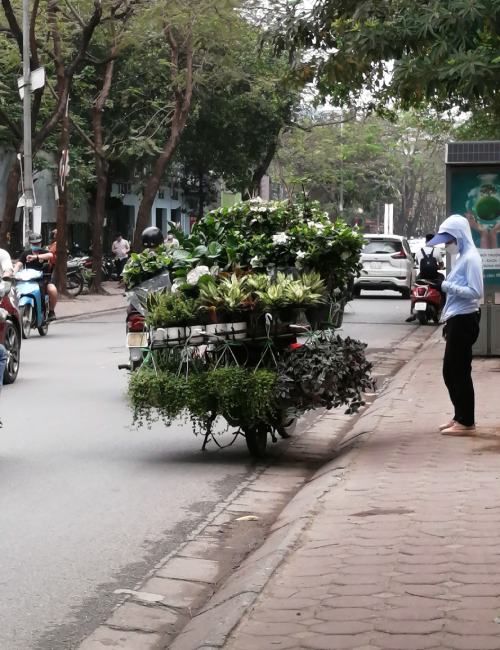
237,330
195,334
175,334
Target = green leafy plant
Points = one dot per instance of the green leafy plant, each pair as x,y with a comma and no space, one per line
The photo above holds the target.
307,291
244,397
156,396
145,265
328,371
234,293
165,309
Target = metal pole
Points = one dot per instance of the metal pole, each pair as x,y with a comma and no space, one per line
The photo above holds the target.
28,158
341,197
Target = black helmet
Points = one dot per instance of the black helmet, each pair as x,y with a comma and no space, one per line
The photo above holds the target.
151,237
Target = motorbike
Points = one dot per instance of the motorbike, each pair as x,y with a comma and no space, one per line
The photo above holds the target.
135,323
75,276
426,301
33,304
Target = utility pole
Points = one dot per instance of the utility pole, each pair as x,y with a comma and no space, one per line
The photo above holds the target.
27,150
341,196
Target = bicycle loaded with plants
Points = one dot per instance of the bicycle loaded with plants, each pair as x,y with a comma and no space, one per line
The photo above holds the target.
247,331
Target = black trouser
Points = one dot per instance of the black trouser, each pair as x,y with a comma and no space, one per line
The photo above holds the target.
461,333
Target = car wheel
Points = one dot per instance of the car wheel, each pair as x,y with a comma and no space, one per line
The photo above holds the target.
405,293
356,292
12,344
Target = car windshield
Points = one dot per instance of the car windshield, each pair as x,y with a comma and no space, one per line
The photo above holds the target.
382,246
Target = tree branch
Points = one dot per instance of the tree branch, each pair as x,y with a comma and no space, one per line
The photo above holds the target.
13,24
16,131
87,34
63,92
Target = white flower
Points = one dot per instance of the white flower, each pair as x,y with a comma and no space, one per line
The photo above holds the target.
280,238
263,209
255,261
301,255
316,225
195,274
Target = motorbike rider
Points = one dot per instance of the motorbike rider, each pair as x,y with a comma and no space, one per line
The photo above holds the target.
41,259
430,262
151,237
6,272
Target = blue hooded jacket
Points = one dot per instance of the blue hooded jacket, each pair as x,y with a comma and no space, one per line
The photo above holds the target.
464,284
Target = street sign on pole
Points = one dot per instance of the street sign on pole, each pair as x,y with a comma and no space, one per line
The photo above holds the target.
37,81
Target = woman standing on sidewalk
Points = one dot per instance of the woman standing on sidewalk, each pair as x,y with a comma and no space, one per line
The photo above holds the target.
464,289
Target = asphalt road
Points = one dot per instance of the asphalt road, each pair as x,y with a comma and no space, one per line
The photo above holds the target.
87,503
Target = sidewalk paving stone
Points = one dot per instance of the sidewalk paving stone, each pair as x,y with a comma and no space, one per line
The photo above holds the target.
402,551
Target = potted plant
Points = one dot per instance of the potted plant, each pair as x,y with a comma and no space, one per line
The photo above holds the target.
168,315
235,297
211,303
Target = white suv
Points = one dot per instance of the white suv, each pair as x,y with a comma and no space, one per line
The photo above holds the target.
388,263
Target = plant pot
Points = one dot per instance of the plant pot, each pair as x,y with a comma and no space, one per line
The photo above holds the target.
216,329
318,316
256,327
196,334
236,330
175,334
159,335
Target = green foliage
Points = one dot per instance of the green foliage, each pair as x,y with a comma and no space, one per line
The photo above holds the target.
367,162
238,112
256,234
243,397
328,371
147,264
408,51
165,309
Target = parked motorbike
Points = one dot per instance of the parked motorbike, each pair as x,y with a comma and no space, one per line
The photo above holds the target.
75,276
33,304
426,301
135,322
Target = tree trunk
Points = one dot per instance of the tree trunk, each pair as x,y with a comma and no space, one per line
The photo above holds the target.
262,168
201,195
101,167
182,106
153,184
10,208
62,212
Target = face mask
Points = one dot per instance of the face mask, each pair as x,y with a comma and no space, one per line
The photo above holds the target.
452,248
36,248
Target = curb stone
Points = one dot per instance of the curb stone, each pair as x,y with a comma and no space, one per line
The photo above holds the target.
160,613
212,626
88,314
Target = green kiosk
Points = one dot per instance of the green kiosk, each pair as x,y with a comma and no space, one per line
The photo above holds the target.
473,190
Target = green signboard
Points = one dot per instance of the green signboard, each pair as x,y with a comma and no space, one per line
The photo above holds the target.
475,194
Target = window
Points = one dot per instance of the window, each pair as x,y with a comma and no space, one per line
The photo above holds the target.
124,188
161,194
381,246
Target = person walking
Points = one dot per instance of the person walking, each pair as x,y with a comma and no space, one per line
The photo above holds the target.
120,250
461,315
